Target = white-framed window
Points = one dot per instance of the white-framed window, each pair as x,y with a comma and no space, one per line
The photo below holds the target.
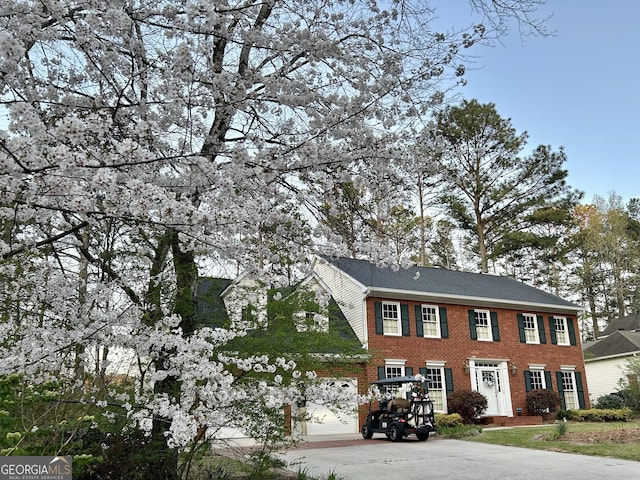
311,322
530,323
391,318
437,388
562,333
537,380
569,391
394,368
431,321
483,325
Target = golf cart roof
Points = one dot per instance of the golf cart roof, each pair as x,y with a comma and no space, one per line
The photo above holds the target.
396,380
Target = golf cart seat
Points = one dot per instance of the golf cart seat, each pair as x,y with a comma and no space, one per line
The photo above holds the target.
399,405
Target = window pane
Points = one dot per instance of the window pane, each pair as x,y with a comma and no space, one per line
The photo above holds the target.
483,327
570,400
436,386
536,380
562,335
393,371
430,321
390,317
530,329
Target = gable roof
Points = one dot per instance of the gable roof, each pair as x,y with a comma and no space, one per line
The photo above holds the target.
210,308
628,323
619,343
211,312
448,285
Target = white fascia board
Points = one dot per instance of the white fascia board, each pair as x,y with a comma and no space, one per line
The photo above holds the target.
467,300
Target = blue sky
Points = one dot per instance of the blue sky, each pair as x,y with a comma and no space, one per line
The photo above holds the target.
578,89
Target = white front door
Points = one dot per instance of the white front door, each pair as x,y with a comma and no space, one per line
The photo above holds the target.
489,381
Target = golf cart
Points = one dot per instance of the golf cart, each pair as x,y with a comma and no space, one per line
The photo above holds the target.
404,409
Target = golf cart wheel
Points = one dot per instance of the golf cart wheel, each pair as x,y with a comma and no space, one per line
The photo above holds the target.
394,434
422,436
366,432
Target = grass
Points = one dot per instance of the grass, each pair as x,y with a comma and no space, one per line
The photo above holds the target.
615,439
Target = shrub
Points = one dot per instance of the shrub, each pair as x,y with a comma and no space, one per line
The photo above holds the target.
542,400
447,421
601,415
611,401
468,404
564,415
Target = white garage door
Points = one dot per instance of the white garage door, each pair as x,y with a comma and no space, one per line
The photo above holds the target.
325,422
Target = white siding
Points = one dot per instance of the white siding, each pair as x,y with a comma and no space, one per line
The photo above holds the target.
348,293
603,376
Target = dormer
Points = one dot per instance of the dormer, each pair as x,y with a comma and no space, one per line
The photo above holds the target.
246,303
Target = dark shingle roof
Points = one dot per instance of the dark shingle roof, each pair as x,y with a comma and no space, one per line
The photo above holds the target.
629,323
448,283
618,343
210,308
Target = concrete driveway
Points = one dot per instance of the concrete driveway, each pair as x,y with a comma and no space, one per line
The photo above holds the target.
353,458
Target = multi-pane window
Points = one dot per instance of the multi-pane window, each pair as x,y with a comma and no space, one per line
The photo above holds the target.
483,325
436,384
430,321
530,328
391,318
311,322
569,391
562,335
394,370
537,380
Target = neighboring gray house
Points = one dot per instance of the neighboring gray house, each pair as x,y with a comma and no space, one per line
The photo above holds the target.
606,359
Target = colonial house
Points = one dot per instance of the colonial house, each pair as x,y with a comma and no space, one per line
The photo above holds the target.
462,331
606,358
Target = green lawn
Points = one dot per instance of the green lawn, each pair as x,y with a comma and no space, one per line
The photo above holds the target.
619,440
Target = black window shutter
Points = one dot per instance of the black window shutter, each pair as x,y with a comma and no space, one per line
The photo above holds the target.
580,390
379,324
444,323
495,331
527,380
448,380
523,337
552,330
547,380
472,325
425,383
404,317
572,331
408,371
541,334
560,388
419,325
382,373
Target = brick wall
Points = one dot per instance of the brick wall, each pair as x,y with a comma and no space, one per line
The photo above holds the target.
459,347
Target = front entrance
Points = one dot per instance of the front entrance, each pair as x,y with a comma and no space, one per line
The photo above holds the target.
490,379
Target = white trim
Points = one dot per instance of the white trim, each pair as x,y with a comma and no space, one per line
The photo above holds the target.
389,319
437,322
535,328
469,300
537,366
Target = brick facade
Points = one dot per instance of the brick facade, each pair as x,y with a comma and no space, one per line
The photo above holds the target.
459,348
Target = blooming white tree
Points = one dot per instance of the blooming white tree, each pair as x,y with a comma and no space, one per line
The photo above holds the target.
144,139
